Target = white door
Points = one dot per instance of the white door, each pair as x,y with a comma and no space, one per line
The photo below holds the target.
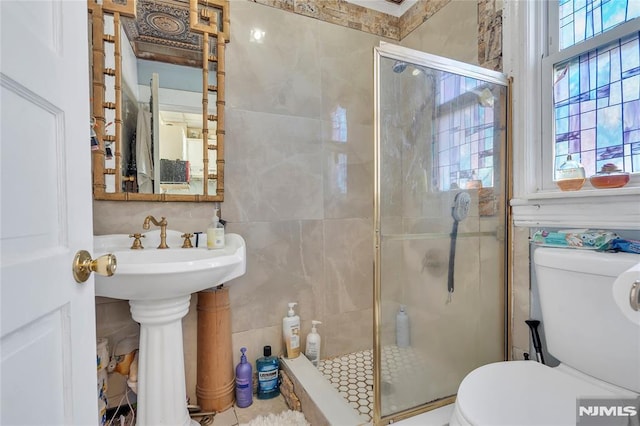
47,347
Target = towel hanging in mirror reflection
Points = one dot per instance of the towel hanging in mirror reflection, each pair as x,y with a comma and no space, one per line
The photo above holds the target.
95,143
108,152
107,146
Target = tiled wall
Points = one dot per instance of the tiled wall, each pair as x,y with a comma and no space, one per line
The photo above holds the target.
299,167
299,176
452,32
490,34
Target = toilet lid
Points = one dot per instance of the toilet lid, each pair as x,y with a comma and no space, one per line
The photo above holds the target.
523,393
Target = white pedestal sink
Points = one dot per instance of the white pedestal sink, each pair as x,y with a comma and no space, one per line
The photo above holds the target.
158,284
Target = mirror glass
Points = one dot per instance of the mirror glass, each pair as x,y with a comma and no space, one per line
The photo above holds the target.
162,145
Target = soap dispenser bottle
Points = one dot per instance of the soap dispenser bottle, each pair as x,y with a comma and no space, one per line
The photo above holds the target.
312,348
244,382
215,233
291,332
402,328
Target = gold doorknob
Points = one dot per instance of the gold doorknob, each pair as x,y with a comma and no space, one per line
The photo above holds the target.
83,265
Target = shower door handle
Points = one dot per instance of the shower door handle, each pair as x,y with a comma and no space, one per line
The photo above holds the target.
634,296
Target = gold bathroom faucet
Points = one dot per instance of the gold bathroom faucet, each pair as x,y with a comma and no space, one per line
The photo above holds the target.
163,229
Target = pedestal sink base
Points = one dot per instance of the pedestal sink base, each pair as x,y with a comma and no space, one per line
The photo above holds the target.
161,382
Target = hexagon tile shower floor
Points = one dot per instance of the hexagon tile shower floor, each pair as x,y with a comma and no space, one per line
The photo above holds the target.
352,376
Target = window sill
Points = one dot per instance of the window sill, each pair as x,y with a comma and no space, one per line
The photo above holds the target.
617,208
586,192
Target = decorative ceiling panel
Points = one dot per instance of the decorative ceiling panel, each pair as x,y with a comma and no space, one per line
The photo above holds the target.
161,32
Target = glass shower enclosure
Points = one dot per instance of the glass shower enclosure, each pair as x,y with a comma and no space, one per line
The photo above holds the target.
440,220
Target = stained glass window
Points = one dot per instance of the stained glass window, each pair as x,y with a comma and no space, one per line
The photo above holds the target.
597,106
580,20
465,132
592,82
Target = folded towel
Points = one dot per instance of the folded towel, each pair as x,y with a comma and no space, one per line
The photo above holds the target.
575,238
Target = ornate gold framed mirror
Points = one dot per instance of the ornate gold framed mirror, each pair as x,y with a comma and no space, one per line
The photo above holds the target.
158,99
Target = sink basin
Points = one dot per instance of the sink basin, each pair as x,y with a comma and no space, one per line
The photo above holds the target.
158,284
153,273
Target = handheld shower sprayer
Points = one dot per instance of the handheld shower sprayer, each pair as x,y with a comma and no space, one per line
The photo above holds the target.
459,211
461,204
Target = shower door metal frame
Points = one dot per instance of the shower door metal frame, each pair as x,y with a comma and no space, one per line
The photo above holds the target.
399,53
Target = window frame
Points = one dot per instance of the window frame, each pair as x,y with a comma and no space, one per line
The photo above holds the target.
537,201
552,57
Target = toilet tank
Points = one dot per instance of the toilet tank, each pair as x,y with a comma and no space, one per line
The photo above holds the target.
585,328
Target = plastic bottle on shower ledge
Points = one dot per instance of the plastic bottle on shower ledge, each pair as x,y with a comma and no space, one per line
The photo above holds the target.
402,328
312,350
291,332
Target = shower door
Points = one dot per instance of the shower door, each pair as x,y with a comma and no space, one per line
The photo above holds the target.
439,226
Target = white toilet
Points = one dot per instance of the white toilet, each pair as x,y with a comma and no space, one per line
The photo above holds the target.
590,327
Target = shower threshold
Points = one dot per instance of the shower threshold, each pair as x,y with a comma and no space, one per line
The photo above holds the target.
320,402
349,378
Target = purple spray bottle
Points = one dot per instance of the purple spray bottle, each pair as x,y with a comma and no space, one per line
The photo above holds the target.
244,382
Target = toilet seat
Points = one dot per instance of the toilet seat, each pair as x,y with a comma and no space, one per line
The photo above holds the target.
525,393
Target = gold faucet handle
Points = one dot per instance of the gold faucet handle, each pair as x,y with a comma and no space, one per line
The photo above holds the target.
187,240
137,244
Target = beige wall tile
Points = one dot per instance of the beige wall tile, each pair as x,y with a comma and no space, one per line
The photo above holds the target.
273,167
348,257
347,332
281,74
117,217
255,340
451,32
284,264
347,171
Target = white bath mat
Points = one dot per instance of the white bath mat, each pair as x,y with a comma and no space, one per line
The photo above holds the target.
286,418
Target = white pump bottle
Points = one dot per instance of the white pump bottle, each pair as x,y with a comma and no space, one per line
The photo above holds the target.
312,349
215,233
291,332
